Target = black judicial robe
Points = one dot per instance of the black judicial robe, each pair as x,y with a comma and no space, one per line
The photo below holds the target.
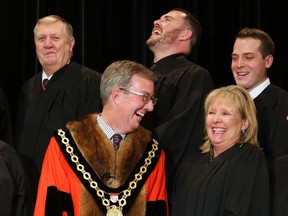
72,92
234,183
15,198
178,117
272,116
6,125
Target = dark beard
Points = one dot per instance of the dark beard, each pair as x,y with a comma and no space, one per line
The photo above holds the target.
167,38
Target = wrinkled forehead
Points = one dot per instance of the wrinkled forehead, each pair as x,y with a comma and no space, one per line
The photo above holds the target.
56,26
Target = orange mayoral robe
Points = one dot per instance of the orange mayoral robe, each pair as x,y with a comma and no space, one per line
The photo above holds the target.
82,174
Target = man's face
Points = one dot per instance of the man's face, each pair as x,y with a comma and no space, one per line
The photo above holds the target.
166,29
248,66
53,47
131,106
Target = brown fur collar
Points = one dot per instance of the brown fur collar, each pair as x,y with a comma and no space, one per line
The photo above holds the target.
98,151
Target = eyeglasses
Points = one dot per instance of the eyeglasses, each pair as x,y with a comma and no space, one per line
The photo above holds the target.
145,96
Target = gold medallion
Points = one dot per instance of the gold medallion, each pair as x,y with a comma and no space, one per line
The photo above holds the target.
114,211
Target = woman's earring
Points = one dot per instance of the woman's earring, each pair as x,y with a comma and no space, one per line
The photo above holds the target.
243,136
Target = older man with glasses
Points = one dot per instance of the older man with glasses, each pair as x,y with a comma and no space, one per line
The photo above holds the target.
106,163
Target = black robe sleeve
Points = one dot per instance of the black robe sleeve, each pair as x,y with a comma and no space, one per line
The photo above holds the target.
178,117
15,196
6,125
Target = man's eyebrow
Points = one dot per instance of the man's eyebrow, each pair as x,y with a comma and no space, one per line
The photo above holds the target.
167,16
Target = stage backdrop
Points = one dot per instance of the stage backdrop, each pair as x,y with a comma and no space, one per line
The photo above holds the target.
109,30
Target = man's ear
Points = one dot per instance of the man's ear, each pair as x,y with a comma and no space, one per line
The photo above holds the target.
185,34
268,61
71,44
115,95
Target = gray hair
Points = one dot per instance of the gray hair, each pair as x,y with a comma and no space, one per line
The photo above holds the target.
68,30
118,75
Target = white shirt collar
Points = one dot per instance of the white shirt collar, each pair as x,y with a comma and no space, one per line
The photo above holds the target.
258,89
44,76
109,132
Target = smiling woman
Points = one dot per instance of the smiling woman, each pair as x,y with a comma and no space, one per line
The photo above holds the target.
216,183
230,119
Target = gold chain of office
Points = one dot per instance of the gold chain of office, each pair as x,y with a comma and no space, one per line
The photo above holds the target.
114,209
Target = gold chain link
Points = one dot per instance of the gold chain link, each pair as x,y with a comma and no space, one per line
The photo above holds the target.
93,184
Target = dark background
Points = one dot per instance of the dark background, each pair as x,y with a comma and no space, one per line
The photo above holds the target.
109,30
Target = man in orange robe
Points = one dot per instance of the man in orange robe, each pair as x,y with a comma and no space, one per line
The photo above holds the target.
83,174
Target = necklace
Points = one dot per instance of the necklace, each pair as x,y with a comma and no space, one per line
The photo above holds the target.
112,210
